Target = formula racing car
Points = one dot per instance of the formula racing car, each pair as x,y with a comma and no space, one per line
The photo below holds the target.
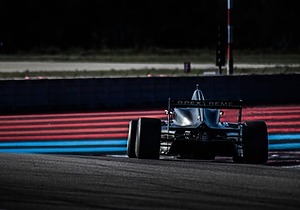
194,129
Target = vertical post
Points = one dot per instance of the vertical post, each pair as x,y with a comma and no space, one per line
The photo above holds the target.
229,38
221,50
187,67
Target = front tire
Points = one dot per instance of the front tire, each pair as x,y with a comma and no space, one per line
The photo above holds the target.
255,142
148,138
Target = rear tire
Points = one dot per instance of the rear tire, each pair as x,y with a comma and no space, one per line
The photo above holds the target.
255,141
148,138
131,139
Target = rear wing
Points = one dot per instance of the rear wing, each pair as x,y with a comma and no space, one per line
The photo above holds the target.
213,104
217,104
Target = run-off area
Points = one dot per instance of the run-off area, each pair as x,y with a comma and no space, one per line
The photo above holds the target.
105,133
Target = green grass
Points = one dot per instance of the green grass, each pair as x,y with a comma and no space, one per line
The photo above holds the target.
132,56
138,73
158,56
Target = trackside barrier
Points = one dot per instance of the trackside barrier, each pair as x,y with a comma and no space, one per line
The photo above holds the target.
22,96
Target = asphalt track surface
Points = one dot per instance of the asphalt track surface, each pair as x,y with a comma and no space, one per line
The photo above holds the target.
57,181
7,66
93,182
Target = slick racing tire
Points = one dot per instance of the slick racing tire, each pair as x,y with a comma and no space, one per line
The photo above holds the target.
131,139
255,141
148,136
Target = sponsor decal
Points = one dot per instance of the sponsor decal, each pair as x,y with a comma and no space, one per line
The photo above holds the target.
199,103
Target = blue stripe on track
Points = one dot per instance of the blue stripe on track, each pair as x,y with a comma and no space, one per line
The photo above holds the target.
277,141
274,137
65,143
65,150
288,146
79,146
116,145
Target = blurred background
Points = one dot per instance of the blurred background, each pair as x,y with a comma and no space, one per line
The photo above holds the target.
34,26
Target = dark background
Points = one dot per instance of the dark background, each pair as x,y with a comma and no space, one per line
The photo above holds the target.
64,25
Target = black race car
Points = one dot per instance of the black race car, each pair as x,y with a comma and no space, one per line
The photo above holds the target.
194,129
